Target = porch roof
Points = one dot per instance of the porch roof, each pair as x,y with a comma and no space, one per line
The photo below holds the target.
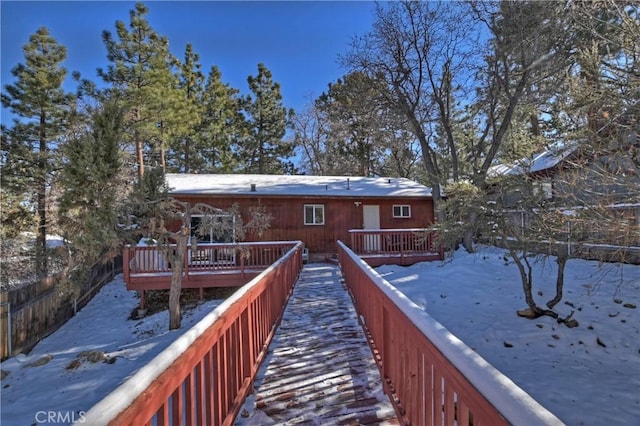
294,185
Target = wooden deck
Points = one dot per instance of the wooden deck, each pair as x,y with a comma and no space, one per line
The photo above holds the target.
319,368
288,349
396,246
209,265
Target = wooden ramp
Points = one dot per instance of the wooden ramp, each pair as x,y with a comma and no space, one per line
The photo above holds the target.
319,369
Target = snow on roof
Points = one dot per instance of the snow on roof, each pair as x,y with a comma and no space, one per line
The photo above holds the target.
300,185
541,161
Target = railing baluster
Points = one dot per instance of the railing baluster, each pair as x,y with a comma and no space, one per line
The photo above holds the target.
188,400
430,382
209,377
199,394
219,383
177,406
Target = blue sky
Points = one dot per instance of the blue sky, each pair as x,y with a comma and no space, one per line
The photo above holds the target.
299,41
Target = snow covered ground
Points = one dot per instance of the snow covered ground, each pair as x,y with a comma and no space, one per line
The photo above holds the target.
474,295
60,391
589,375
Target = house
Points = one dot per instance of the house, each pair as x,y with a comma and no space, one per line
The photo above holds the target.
603,181
565,175
318,210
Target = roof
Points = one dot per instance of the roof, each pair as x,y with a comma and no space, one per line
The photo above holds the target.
294,185
539,162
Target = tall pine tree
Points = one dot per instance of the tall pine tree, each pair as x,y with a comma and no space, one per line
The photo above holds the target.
356,113
91,183
42,109
263,150
223,125
140,72
185,153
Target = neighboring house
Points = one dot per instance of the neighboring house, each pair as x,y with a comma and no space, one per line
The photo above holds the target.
568,177
542,169
318,210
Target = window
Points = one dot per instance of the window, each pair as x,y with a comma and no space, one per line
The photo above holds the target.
544,190
221,229
401,211
314,214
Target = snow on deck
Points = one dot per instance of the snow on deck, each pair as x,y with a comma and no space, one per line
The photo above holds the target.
319,368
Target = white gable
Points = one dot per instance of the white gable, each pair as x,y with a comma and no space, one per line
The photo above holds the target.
286,185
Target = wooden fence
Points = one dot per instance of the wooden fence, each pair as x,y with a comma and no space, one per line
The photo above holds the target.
602,237
203,377
431,376
32,312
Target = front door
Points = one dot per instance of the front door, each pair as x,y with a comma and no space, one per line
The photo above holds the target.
371,220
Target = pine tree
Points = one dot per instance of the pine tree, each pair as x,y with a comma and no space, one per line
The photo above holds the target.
91,183
14,186
263,150
42,107
171,114
140,72
222,125
185,153
358,121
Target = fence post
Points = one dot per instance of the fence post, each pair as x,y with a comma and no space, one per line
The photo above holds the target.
569,238
9,330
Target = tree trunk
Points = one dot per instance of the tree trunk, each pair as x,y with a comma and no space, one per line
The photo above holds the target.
163,160
562,262
139,154
177,265
468,237
428,157
41,240
187,147
525,276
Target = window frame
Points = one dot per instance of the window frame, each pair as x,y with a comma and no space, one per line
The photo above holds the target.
402,209
210,239
314,207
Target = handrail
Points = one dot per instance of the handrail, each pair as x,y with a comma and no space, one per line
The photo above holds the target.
431,376
204,376
394,241
206,257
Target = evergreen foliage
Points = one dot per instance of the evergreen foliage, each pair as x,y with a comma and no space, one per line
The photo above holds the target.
436,91
355,111
185,151
140,74
263,150
223,125
91,182
30,146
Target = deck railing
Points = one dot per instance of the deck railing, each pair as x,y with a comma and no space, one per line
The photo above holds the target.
418,244
204,376
431,376
150,264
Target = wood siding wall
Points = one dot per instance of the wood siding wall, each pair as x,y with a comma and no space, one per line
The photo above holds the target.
341,215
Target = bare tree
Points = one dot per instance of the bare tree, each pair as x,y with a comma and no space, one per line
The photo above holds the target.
167,221
310,127
459,95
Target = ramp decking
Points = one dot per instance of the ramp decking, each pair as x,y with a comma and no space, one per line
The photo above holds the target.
319,369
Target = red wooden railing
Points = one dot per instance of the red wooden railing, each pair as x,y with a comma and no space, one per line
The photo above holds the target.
204,376
405,246
149,265
430,375
206,257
